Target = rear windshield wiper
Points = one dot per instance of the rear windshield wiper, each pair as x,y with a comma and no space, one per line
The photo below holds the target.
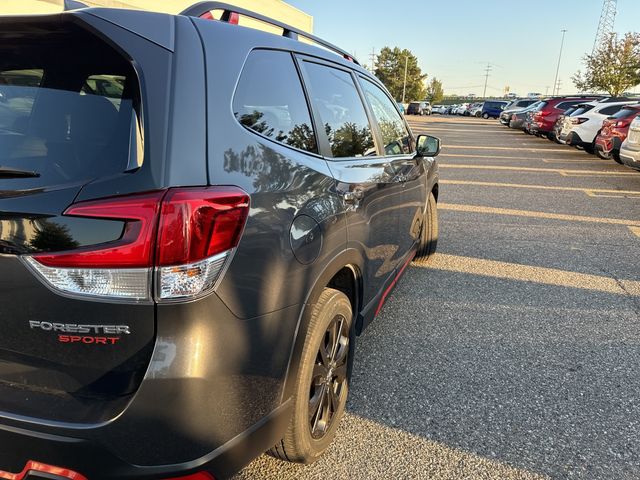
7,172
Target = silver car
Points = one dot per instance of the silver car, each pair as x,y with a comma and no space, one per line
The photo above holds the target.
630,148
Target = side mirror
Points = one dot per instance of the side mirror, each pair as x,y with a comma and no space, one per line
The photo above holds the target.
427,146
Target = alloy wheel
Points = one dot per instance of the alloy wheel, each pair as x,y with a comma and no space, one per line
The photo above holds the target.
329,380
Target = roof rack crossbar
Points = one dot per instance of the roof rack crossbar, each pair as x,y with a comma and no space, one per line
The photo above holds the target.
288,31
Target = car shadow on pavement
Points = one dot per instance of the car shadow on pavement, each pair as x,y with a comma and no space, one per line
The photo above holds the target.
469,376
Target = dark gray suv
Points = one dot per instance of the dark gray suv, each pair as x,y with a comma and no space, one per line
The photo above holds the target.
197,220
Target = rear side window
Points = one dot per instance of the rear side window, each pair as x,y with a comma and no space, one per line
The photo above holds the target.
270,101
395,135
53,121
337,102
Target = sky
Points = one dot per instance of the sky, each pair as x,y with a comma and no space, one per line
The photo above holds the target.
455,39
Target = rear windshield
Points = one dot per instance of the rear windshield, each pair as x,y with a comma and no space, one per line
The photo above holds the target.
68,106
625,112
569,111
581,109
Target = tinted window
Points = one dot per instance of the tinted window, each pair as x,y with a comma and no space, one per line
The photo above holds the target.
50,123
270,100
610,110
108,86
17,92
341,111
395,135
626,112
566,105
581,109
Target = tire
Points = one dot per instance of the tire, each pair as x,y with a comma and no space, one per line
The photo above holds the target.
309,435
603,155
616,157
590,148
485,116
429,233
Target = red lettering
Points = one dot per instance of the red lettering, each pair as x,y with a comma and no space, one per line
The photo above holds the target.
113,340
63,338
101,340
75,339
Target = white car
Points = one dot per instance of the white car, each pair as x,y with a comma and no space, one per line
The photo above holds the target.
630,149
461,109
582,126
441,109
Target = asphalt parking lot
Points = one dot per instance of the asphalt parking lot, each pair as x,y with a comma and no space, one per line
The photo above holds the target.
516,353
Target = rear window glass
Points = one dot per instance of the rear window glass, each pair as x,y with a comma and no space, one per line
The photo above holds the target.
341,110
610,110
581,109
625,112
270,100
67,107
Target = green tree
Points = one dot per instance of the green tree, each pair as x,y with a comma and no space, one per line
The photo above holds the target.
390,68
435,93
613,68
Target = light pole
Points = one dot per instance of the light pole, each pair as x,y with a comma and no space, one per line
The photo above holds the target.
404,87
486,79
555,81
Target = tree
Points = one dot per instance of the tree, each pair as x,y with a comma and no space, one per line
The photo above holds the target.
435,93
390,68
613,68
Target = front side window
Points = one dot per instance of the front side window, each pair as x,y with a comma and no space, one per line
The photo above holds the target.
336,99
395,136
270,100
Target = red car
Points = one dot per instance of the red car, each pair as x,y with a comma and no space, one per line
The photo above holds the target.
544,118
614,131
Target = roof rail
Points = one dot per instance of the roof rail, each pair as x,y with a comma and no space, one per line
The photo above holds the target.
203,8
73,5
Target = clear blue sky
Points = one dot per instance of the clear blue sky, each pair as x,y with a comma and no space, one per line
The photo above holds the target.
454,39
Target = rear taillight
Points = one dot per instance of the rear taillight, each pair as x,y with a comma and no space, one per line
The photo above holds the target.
183,238
578,120
41,470
622,123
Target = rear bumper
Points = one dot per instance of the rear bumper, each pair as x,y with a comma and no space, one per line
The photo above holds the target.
574,140
93,461
608,144
211,399
630,157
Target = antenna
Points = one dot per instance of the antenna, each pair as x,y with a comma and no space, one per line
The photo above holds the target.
606,24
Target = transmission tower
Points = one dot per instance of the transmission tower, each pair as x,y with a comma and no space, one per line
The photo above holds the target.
607,20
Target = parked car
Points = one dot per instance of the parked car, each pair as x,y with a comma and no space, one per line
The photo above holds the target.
557,127
179,293
518,118
474,109
614,131
419,108
630,148
463,107
586,125
543,119
440,109
514,106
492,108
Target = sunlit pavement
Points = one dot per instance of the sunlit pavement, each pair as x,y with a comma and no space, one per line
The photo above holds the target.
516,353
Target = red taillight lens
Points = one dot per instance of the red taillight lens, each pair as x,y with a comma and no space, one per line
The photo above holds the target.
185,236
622,123
199,223
135,247
578,120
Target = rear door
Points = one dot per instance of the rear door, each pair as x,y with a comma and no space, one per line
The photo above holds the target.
372,185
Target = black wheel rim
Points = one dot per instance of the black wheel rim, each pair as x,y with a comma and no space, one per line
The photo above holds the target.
329,380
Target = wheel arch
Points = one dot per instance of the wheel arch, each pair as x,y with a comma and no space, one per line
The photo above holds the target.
342,273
